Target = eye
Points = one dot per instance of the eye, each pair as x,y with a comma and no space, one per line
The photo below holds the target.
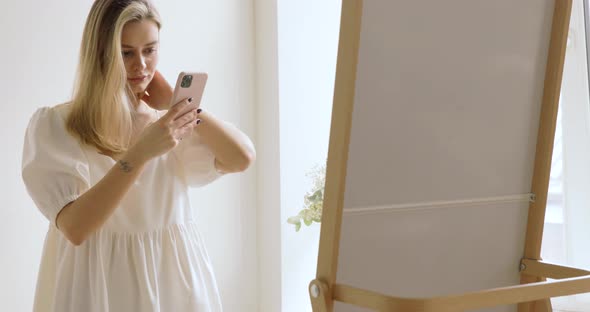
127,53
150,50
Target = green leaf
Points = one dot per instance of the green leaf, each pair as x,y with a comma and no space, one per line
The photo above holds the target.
315,196
313,200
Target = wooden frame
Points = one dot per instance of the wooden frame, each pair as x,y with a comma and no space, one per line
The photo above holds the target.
534,292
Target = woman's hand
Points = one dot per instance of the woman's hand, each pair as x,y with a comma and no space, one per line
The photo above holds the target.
163,135
158,93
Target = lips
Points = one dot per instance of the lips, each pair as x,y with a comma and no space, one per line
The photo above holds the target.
137,78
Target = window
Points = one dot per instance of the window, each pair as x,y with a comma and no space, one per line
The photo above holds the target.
308,43
567,221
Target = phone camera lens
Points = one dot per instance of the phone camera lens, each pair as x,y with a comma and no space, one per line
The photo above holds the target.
186,81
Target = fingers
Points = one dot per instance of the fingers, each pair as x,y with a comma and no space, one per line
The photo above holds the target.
189,117
185,130
177,109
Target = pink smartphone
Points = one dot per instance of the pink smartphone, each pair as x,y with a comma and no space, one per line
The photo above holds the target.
189,84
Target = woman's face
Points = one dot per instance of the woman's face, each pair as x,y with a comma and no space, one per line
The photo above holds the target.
139,42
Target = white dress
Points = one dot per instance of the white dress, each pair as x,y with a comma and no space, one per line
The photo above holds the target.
148,256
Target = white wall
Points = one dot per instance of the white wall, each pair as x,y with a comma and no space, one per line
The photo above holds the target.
38,58
268,154
40,42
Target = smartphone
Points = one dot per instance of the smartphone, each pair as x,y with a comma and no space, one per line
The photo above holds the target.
189,85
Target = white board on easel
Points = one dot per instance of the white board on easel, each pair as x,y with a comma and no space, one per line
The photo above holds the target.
434,146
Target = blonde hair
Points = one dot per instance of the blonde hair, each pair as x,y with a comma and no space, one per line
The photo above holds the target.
101,113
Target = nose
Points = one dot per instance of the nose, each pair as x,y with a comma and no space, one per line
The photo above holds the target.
139,63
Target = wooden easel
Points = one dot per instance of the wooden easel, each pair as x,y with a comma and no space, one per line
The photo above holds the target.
534,292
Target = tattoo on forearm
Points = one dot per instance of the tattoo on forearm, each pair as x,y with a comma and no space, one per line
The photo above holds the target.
125,166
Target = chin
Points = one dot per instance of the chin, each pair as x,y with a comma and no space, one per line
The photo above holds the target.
138,89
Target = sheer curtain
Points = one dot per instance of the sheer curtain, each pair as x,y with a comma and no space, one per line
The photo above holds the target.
567,223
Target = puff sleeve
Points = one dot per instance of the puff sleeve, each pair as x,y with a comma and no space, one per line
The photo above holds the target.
198,161
54,167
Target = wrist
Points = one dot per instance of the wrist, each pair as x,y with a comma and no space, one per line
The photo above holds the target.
132,159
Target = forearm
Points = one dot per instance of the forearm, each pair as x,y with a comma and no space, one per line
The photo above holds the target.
90,211
232,148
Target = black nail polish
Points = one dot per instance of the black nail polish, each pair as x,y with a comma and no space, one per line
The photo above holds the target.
199,111
190,99
198,121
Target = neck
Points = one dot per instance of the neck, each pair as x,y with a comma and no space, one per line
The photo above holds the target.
142,108
136,101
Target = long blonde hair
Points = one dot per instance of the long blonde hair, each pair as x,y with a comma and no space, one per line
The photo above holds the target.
102,114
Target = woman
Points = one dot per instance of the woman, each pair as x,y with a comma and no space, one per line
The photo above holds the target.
112,174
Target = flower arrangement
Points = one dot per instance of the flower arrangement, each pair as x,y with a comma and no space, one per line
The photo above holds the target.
313,200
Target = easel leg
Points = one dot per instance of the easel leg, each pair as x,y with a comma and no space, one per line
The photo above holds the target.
535,306
320,296
544,148
543,306
525,307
